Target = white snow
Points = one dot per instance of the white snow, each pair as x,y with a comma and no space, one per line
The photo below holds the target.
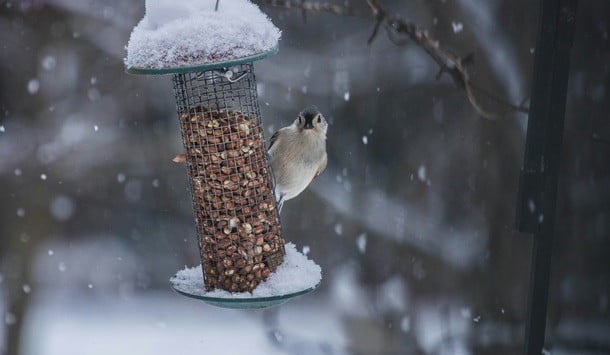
43,176
121,178
361,242
9,318
62,267
365,140
190,32
405,324
531,205
393,296
96,128
339,229
421,173
346,96
33,86
2,128
21,212
465,312
457,26
49,62
62,208
295,274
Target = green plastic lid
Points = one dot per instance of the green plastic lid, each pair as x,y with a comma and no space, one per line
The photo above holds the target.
201,67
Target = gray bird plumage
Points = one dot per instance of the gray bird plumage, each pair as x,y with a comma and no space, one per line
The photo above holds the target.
298,154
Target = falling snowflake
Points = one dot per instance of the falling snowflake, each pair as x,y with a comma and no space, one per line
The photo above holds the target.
421,173
49,62
33,86
62,267
457,26
339,229
361,242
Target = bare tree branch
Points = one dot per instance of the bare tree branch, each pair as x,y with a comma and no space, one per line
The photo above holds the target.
316,6
375,30
399,29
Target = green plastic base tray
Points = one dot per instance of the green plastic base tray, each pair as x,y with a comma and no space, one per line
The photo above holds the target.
245,303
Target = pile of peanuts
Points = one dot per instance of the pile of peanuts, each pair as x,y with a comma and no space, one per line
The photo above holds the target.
240,238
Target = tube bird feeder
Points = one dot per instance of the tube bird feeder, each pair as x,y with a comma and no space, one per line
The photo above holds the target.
240,237
238,225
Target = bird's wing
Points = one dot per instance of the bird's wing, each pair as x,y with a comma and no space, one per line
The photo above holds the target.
322,165
273,139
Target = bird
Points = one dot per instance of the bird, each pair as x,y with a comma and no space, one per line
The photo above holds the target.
297,154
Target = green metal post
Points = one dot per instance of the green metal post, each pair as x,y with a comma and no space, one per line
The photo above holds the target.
539,176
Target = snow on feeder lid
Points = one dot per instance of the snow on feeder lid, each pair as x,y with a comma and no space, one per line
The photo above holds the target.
210,52
190,35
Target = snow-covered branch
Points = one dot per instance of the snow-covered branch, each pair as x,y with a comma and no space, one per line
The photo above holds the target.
400,30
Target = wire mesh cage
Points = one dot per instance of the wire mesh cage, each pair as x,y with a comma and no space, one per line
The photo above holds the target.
239,231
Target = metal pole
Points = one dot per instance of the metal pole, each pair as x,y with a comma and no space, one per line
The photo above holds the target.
539,176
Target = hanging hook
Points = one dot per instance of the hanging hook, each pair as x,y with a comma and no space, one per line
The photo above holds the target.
225,73
228,74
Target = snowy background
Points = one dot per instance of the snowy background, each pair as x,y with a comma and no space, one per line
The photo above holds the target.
412,222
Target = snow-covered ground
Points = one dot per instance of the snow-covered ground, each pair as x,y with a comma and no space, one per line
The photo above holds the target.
62,323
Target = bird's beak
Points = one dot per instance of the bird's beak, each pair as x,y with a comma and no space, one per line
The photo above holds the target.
308,123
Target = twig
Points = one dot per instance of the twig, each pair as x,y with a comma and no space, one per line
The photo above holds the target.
316,6
518,108
448,63
375,30
216,8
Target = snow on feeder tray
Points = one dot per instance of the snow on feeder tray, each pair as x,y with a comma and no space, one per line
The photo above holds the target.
210,53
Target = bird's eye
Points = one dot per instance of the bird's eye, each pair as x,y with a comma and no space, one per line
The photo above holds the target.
300,119
319,119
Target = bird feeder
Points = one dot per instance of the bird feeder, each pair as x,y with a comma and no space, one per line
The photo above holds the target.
238,225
